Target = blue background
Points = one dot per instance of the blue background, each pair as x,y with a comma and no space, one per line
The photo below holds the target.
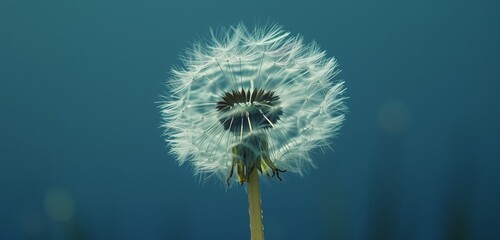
81,156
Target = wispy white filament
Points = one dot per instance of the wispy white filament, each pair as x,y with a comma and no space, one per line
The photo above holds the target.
237,58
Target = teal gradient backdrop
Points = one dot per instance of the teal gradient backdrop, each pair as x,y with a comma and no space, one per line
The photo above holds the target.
82,157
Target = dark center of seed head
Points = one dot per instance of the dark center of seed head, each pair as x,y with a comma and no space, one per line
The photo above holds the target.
246,110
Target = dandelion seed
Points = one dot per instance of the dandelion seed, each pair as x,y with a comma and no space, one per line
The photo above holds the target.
252,99
262,92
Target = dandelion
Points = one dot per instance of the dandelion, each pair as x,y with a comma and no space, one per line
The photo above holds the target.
252,101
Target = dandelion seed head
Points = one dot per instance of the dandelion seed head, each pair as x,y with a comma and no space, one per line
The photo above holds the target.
252,99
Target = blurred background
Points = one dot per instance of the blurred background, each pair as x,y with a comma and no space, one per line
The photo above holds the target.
82,157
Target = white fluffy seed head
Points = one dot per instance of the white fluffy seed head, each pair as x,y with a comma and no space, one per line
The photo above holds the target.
307,114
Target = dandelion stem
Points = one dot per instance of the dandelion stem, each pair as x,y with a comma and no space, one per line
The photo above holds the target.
254,205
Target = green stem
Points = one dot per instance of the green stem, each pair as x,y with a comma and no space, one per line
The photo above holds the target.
254,205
